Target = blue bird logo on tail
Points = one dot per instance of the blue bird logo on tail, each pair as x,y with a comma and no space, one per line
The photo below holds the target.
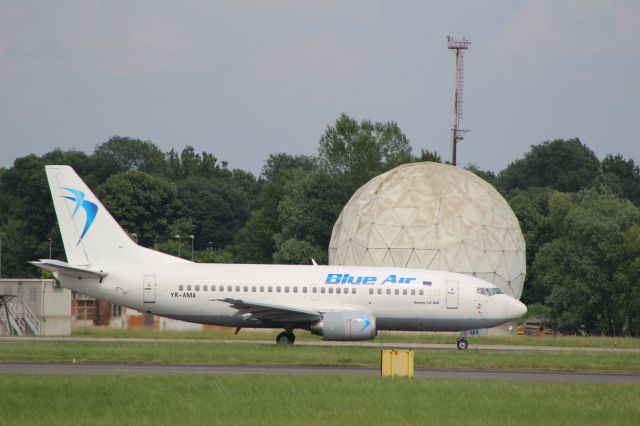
90,209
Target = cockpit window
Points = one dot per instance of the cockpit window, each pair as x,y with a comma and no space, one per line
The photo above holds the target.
489,291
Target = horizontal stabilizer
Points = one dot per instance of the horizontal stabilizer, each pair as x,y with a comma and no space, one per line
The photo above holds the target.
65,269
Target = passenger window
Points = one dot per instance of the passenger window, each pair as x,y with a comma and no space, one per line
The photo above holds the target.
261,289
330,290
221,288
229,288
338,290
286,289
421,291
205,288
353,290
397,291
295,289
189,287
180,287
269,289
304,289
379,291
314,289
246,288
370,291
322,290
413,291
404,291
238,288
388,291
253,288
213,288
278,289
198,287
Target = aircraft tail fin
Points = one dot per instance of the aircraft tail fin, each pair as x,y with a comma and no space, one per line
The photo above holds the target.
89,233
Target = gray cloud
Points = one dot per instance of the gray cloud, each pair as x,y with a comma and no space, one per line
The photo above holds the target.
246,78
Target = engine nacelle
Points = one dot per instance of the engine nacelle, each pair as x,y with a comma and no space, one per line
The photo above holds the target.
346,325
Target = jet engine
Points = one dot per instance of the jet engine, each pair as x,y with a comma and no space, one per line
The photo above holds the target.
346,325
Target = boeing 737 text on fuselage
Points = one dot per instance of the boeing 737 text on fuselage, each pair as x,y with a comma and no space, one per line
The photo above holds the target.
336,302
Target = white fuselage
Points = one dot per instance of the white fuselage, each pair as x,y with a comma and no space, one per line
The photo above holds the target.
400,299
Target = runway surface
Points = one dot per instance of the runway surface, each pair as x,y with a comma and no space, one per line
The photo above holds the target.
68,369
396,345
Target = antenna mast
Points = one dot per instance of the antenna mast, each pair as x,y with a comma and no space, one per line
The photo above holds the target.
457,134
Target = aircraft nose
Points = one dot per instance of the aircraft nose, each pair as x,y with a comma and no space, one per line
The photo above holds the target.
515,308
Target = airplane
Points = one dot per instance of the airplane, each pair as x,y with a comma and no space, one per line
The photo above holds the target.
346,303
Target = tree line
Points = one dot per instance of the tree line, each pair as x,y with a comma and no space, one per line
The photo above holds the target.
580,216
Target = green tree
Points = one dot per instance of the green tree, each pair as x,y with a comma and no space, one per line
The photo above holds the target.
627,279
192,164
19,246
299,252
145,205
564,165
426,155
255,241
357,152
307,212
623,176
218,208
124,154
487,175
580,269
532,209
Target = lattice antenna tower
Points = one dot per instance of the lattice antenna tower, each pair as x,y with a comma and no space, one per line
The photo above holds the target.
457,134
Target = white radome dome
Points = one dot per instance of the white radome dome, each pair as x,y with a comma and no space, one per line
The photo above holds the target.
432,216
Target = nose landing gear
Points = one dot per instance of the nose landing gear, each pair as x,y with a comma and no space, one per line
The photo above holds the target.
462,344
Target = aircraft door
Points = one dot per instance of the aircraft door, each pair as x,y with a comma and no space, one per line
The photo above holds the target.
149,289
452,294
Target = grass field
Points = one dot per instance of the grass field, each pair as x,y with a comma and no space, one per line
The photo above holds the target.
395,337
241,400
189,352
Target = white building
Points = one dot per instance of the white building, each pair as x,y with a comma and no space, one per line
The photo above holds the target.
34,306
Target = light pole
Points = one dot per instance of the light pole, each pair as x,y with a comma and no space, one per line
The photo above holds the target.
135,237
191,236
210,245
178,237
49,248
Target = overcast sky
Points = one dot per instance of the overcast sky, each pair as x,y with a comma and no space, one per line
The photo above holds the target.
242,79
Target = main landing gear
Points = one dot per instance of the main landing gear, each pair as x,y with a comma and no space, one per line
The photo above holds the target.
462,344
286,338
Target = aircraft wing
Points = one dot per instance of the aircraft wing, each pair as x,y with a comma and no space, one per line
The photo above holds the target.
66,269
272,312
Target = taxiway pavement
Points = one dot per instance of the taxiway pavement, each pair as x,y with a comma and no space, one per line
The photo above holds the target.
81,369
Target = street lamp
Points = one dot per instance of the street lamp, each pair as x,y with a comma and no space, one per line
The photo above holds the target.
49,248
178,237
135,237
210,245
191,236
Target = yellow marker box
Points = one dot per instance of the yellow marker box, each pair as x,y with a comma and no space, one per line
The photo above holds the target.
397,363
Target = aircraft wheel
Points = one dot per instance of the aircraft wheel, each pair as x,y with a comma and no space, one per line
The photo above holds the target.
462,344
286,338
